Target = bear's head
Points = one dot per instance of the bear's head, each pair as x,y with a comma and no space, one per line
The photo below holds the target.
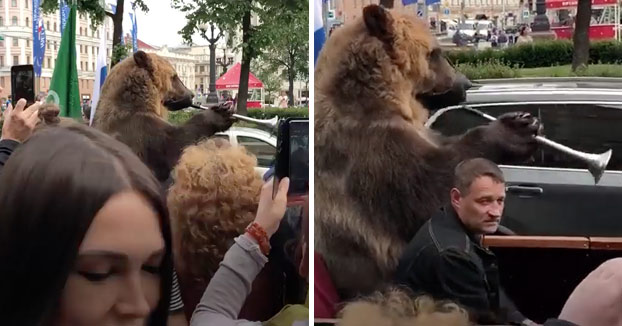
385,57
142,82
174,94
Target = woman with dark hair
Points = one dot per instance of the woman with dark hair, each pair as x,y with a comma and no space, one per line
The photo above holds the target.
84,234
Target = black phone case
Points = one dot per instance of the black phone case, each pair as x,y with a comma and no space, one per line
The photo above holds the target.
282,166
30,96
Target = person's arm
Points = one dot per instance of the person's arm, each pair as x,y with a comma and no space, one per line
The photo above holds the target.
227,290
176,315
7,146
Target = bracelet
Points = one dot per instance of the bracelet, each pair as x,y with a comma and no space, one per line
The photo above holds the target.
260,235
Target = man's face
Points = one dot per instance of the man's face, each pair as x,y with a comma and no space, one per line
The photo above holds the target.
480,209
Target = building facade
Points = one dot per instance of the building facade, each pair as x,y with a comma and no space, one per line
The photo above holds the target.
340,11
17,47
183,63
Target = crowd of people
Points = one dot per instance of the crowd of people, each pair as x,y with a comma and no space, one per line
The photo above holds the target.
88,236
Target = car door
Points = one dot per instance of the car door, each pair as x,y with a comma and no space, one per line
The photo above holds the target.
554,194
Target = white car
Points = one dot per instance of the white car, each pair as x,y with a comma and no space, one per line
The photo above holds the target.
260,143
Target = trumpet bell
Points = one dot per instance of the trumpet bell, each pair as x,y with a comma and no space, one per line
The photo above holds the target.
597,163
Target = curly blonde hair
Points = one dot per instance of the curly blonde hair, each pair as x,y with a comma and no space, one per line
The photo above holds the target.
214,197
396,307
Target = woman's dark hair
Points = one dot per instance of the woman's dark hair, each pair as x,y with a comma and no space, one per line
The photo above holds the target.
50,190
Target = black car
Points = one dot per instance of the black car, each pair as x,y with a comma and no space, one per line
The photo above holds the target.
565,224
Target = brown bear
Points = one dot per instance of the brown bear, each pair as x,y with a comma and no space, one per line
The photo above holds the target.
133,107
379,172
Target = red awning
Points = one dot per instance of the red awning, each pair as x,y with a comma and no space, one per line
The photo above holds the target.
554,4
231,79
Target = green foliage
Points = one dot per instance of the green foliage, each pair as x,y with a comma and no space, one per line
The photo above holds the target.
289,49
490,69
540,54
269,113
594,70
120,52
606,52
181,116
92,8
269,76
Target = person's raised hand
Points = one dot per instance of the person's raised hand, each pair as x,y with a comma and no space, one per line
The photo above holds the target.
271,211
20,122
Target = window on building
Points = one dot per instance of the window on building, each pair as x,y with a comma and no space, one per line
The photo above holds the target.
13,3
1,21
81,65
2,62
26,3
14,41
49,62
15,60
27,43
27,22
28,60
80,30
55,26
80,48
47,25
14,21
93,65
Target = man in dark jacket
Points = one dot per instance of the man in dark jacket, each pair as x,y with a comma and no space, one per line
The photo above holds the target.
446,259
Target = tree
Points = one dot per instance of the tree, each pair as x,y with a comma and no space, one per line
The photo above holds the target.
97,12
270,78
229,16
581,38
290,49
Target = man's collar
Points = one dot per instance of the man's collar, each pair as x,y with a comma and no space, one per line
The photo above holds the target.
453,218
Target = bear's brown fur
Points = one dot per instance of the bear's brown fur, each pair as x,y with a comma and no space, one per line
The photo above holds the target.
133,107
379,173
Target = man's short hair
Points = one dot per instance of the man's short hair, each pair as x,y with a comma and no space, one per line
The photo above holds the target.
468,170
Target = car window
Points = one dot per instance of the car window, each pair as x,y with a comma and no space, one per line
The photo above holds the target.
585,127
588,128
457,122
261,149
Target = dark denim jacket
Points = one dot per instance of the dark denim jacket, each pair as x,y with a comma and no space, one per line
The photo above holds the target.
446,261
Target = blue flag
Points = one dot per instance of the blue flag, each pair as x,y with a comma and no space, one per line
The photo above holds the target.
134,31
319,34
38,37
64,14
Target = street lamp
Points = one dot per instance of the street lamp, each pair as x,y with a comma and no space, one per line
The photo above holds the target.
225,61
212,97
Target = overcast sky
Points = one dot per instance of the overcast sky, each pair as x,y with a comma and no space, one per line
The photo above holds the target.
161,24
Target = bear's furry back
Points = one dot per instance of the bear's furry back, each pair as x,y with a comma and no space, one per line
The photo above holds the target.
379,173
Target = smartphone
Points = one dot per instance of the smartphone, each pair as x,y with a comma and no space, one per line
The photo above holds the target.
23,84
292,156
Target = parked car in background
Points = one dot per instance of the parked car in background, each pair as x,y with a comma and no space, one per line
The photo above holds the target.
565,225
260,143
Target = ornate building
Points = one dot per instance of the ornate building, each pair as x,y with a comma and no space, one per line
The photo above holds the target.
16,28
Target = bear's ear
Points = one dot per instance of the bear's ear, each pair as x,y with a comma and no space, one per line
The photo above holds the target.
143,60
379,22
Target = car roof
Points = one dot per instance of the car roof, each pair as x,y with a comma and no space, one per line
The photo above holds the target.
570,89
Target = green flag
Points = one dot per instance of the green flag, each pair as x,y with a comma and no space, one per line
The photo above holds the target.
64,90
